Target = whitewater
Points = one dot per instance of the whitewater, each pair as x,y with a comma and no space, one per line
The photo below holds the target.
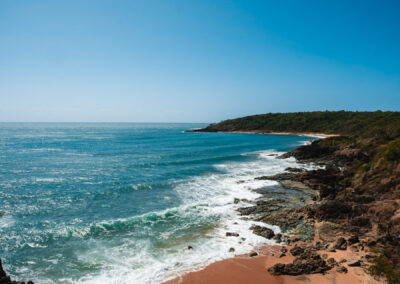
121,202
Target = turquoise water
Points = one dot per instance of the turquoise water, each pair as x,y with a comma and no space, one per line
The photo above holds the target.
120,203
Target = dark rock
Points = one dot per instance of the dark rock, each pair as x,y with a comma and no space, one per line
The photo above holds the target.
341,269
331,261
340,244
353,240
324,256
230,234
296,251
236,200
332,210
263,232
294,170
307,263
281,255
354,263
5,279
371,243
253,253
190,247
231,250
317,245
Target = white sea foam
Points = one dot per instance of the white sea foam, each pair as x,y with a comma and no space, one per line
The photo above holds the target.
205,196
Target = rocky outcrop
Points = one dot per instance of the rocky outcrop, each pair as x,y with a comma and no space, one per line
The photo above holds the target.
308,262
357,184
263,232
5,279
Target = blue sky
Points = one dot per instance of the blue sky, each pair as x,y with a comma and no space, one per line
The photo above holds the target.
195,61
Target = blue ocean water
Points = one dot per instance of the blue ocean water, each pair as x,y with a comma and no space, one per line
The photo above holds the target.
120,202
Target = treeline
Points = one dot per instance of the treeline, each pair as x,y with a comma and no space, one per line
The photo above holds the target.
378,123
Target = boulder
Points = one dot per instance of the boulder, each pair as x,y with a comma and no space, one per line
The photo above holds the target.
263,232
307,263
354,263
340,244
296,250
353,240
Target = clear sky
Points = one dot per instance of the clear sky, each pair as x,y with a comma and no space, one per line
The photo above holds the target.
195,61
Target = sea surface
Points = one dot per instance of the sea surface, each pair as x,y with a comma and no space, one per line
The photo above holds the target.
121,202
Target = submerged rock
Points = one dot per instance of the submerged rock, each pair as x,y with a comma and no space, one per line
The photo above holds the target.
230,234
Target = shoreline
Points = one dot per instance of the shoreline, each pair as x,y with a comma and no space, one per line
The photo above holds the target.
348,265
311,134
245,269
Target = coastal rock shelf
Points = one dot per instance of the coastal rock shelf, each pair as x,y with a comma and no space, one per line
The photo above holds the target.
350,203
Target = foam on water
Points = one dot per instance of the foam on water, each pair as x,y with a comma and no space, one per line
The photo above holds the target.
209,196
110,203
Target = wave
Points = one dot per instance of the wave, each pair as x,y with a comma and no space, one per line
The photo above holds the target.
152,247
202,221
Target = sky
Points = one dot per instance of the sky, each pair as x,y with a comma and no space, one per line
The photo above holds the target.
195,61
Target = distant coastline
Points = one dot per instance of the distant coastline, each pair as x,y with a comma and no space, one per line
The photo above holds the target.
311,134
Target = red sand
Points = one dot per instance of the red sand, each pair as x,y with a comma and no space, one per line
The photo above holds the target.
243,269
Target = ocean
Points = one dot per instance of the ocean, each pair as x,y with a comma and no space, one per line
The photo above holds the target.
121,202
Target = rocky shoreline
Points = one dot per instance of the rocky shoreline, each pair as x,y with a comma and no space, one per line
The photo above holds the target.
298,216
332,213
5,279
353,195
323,231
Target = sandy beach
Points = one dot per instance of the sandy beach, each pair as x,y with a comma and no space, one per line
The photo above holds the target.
322,135
244,269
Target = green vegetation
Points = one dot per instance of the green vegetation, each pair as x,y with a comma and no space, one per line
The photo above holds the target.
392,151
385,125
369,146
384,266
